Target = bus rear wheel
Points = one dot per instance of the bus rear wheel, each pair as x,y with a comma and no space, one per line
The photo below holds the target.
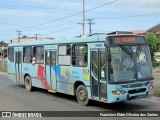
28,83
82,95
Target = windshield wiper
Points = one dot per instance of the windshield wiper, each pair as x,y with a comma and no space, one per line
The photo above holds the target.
125,49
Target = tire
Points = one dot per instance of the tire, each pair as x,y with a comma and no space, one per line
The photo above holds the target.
82,95
28,83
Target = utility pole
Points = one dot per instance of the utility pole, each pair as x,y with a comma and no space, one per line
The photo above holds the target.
83,17
36,36
19,33
90,24
83,22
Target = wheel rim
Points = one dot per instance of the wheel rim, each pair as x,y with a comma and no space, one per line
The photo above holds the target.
82,95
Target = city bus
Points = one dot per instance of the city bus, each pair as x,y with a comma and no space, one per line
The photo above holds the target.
93,67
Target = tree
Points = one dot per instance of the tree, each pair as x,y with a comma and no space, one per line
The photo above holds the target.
154,44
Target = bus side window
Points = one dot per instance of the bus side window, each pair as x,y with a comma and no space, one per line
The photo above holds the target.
27,52
24,58
79,55
42,59
31,59
64,55
11,54
38,53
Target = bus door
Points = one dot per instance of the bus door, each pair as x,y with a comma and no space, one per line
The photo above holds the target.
50,68
18,66
98,77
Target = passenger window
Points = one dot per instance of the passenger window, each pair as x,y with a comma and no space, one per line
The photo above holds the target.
64,55
11,54
27,54
79,55
38,54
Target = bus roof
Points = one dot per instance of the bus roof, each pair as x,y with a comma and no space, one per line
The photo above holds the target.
92,38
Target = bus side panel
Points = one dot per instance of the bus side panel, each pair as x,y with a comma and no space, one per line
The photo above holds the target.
36,82
65,88
12,77
11,71
64,83
36,72
67,77
12,66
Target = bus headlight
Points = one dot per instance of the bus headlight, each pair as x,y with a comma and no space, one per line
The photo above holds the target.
117,92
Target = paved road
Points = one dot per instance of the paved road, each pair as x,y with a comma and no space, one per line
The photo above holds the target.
14,97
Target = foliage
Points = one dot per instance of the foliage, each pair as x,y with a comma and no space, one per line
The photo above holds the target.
155,63
154,44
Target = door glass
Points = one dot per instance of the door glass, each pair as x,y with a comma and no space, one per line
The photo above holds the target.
103,90
18,57
94,87
95,73
53,58
95,63
102,65
47,57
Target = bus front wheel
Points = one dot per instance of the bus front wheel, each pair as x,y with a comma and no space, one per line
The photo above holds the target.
28,83
82,95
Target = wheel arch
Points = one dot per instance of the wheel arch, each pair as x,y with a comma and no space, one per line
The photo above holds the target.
76,84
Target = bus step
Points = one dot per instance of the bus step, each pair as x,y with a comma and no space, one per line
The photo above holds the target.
52,91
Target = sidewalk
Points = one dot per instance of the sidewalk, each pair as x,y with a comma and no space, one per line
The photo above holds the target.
3,72
156,69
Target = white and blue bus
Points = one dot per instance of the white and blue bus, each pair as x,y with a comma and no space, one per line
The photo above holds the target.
107,68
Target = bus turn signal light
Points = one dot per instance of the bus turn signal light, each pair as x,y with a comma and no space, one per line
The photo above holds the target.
151,85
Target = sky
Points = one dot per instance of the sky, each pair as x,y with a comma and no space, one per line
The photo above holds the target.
60,18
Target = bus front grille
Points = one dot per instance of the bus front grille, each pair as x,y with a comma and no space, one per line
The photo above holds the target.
138,90
135,85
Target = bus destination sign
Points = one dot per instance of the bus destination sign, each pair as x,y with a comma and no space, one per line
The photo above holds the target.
126,39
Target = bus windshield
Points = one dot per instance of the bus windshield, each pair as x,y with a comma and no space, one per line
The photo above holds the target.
129,63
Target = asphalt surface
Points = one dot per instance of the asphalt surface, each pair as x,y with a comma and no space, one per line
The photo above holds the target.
14,97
